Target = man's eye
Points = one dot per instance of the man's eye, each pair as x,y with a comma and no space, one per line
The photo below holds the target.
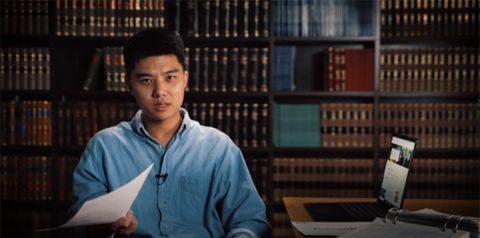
145,80
171,77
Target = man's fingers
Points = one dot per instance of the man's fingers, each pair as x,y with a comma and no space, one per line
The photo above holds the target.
123,222
125,225
131,228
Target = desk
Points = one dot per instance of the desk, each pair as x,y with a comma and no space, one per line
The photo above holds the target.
297,212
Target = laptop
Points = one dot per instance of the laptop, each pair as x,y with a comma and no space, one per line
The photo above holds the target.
391,191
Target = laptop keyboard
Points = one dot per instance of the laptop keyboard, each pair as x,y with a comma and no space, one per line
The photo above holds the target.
364,209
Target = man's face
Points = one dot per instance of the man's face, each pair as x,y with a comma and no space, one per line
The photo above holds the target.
158,85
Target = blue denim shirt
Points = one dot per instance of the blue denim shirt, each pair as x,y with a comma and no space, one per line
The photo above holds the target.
205,189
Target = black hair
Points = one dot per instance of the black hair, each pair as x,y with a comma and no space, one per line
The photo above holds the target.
152,42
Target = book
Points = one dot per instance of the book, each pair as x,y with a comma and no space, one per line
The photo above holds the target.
283,64
89,82
204,68
421,223
243,70
359,70
296,125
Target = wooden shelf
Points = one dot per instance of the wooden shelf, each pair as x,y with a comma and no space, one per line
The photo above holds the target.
341,40
26,150
95,96
25,41
423,42
319,97
227,96
324,152
7,95
429,97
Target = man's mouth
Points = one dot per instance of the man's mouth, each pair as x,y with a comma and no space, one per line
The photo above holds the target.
160,106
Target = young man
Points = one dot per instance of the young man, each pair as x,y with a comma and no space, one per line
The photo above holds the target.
199,186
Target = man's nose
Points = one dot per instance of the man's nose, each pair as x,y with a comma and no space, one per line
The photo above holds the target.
158,88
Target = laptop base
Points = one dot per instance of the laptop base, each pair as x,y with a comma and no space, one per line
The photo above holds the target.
345,212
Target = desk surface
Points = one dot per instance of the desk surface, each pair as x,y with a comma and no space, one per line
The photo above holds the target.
297,212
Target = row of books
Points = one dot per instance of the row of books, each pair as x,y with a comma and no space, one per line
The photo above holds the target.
219,18
26,123
429,18
245,123
105,18
346,125
26,178
114,70
453,69
308,18
333,125
25,68
65,165
210,69
24,17
259,171
228,69
320,177
442,178
340,69
436,125
354,177
79,121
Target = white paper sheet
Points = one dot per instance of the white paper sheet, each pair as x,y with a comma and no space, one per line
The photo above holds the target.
380,229
326,228
109,207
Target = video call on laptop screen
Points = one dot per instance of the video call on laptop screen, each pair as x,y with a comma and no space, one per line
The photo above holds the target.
396,171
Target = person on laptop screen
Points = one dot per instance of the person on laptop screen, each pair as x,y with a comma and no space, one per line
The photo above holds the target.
396,171
391,192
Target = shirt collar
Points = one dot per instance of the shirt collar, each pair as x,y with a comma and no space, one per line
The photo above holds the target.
140,129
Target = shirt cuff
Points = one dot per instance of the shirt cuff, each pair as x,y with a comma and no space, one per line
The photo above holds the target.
241,233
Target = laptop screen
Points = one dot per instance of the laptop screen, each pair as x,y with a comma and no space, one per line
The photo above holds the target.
396,170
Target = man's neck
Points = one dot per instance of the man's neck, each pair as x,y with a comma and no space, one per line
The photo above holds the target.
163,131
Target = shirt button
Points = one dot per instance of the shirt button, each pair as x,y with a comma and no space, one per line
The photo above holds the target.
164,203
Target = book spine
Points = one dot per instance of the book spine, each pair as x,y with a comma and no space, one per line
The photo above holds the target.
223,69
236,124
233,69
234,18
245,136
243,70
225,24
214,75
254,128
205,70
215,18
88,83
264,59
253,63
264,125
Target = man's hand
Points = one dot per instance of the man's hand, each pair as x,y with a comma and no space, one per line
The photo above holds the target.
125,225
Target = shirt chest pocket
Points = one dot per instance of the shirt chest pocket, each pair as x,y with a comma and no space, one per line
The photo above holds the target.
192,198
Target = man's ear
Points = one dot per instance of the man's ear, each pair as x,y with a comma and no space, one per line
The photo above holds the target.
186,79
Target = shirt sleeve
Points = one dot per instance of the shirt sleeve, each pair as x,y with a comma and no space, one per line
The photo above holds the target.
88,177
243,211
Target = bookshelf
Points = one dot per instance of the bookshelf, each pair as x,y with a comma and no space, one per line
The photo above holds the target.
353,123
